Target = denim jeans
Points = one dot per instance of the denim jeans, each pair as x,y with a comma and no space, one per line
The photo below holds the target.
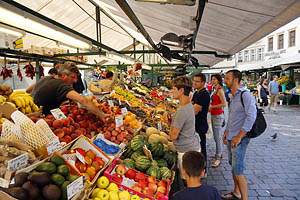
216,124
236,156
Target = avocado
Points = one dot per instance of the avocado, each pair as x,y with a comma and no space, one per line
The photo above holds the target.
63,170
64,195
72,177
57,179
20,179
49,167
51,192
16,192
40,178
32,190
57,160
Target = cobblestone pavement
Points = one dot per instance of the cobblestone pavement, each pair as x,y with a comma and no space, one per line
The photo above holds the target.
272,167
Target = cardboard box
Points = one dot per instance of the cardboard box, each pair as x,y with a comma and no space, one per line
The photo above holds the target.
35,50
47,51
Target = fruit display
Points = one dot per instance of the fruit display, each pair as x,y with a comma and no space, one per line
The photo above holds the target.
128,96
5,91
23,101
48,180
29,70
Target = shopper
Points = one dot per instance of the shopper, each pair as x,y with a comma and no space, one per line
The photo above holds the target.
240,120
182,122
51,91
148,83
262,89
106,84
217,115
274,92
193,168
201,101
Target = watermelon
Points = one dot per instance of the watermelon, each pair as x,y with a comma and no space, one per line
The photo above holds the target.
165,173
142,163
136,154
170,157
162,163
157,149
127,154
154,171
129,163
138,142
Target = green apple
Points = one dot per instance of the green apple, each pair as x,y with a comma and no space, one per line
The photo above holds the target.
102,182
103,195
113,187
113,195
124,195
135,197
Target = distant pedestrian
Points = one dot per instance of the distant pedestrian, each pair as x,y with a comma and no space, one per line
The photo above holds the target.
241,118
262,89
274,92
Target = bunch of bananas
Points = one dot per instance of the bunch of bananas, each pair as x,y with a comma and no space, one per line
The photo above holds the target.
23,101
2,99
5,90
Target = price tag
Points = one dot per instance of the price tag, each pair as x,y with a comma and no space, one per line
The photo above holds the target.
58,114
126,87
147,152
120,102
80,157
124,111
112,92
17,162
4,183
119,121
101,98
74,187
128,103
159,126
53,146
110,103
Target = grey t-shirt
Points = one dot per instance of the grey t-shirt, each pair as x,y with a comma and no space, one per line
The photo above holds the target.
184,120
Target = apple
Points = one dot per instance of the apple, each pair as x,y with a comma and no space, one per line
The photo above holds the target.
80,166
143,183
91,171
159,194
124,195
151,179
162,183
113,187
117,178
152,186
102,182
107,135
161,189
140,176
103,194
131,173
91,154
88,160
137,187
135,197
81,151
147,191
113,195
95,191
121,170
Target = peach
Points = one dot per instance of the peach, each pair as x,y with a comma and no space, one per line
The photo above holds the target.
59,133
66,122
120,138
83,124
57,124
107,135
74,136
66,130
48,121
68,138
49,116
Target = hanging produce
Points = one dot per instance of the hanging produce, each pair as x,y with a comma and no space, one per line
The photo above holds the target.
29,70
41,70
19,71
6,72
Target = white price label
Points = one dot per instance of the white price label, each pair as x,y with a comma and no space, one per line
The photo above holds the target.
119,121
112,92
17,162
58,114
74,187
128,103
53,146
80,157
159,126
124,111
126,87
110,103
120,103
4,183
101,98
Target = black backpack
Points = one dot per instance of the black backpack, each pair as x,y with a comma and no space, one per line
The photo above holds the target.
259,125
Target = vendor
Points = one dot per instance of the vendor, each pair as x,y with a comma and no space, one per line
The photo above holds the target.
51,91
106,84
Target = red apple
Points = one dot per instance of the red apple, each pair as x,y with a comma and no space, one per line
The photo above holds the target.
121,170
147,191
151,179
152,186
83,124
131,173
88,160
162,183
107,135
91,154
117,178
80,166
120,138
143,183
159,194
161,189
137,187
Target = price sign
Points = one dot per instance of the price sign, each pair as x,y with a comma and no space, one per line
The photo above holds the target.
124,111
4,183
119,121
159,126
74,187
53,146
110,103
17,162
147,152
128,103
58,114
120,102
80,157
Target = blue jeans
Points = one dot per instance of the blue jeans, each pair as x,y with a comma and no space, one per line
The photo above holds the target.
216,124
236,156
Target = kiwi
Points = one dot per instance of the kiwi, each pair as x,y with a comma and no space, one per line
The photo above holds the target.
32,190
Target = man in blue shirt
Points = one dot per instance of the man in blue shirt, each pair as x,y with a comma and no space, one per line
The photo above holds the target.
240,121
274,92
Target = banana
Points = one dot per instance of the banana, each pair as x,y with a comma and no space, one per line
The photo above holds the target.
26,100
12,104
28,109
35,108
23,110
18,102
11,96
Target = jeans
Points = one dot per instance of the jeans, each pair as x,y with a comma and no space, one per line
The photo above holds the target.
216,124
236,156
203,145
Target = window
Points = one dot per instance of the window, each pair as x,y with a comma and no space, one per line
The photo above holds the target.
280,41
253,55
260,54
292,38
270,44
240,57
246,55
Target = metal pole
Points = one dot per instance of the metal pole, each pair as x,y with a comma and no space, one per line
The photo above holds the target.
143,53
37,68
152,76
98,25
134,48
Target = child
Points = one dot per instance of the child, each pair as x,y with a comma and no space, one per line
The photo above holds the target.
193,165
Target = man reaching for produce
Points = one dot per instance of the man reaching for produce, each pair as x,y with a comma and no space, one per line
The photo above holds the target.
51,91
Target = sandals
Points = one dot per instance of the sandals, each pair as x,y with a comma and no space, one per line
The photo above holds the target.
216,163
230,195
214,156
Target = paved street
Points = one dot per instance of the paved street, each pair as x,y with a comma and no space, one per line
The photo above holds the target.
272,167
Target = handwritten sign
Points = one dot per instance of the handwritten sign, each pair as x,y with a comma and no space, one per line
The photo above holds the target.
147,152
58,114
124,111
159,126
4,183
53,146
17,162
75,187
80,157
119,121
110,103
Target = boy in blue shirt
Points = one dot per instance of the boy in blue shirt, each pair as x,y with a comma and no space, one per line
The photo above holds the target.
193,167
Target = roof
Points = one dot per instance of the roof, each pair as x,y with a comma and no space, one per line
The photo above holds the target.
227,26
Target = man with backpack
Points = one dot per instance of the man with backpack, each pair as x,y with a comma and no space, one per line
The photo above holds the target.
241,117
